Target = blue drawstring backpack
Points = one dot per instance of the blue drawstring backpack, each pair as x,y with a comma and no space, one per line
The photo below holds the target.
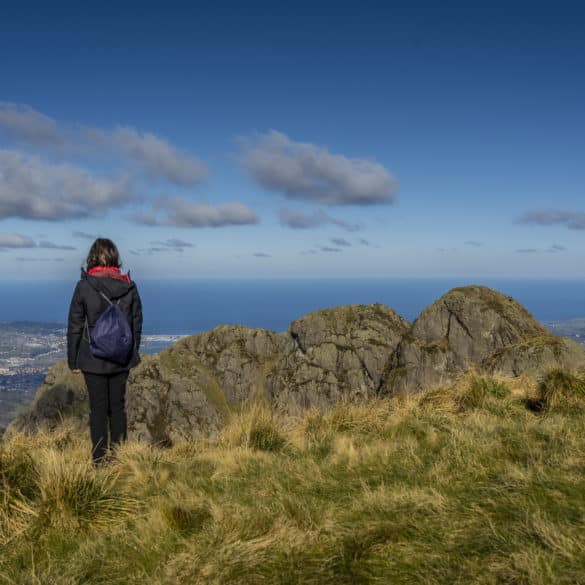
111,338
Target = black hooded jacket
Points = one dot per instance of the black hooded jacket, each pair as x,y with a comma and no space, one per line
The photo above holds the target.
88,303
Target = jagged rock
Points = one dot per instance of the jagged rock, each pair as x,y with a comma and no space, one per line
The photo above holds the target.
335,355
191,388
461,329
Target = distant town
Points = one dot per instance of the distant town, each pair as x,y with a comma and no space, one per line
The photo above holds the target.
573,328
28,350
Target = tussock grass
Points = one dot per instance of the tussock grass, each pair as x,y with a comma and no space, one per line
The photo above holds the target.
255,428
460,485
562,391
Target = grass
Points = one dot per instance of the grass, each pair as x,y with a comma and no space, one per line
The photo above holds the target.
562,392
460,485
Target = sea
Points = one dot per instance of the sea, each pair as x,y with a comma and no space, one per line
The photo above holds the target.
186,307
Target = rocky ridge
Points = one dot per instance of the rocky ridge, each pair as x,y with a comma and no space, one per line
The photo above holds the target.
348,353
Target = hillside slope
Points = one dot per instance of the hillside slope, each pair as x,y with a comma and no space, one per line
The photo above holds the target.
480,482
343,354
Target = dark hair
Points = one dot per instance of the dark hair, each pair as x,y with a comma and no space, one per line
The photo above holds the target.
103,252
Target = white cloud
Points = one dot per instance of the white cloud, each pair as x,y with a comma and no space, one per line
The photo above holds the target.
18,241
340,242
185,213
311,173
177,243
574,220
31,188
174,244
159,157
53,246
12,240
298,220
182,212
24,123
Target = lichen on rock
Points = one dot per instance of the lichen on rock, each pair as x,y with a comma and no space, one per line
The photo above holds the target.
333,355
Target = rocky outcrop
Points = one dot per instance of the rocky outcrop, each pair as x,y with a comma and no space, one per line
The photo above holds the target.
335,355
191,388
475,326
535,356
349,353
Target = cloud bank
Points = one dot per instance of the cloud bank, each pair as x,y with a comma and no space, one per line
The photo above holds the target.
19,241
156,155
311,173
31,188
25,124
11,240
183,212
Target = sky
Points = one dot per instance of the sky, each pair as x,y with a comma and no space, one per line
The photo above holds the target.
305,139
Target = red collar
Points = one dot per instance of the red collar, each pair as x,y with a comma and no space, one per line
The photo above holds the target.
109,271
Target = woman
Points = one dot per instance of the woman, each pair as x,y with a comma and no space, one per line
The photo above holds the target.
105,379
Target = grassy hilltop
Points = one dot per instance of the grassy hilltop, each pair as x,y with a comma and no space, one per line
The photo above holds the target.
482,481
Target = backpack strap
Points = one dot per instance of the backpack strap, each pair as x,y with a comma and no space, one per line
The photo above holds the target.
110,302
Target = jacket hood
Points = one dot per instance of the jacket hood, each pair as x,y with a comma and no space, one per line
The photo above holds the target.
113,288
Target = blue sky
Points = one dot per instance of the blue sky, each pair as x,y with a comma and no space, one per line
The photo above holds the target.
301,139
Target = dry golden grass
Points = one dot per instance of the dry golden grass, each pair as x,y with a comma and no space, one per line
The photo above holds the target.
465,484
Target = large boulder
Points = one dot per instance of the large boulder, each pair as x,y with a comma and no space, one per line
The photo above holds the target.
191,388
463,328
333,355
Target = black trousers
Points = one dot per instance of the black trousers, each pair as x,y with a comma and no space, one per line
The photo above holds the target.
107,407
